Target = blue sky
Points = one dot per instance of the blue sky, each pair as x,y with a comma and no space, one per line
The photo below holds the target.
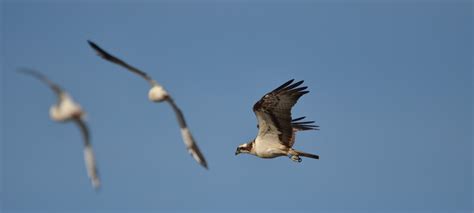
391,88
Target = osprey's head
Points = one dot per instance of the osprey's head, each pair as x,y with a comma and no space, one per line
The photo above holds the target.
244,148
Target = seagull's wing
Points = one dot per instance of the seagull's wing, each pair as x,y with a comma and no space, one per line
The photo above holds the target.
187,136
105,55
56,89
88,153
273,111
89,157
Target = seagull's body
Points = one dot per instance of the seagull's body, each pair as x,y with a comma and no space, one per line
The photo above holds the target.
276,129
158,93
66,109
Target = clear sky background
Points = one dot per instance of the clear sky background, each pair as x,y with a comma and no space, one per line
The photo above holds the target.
391,88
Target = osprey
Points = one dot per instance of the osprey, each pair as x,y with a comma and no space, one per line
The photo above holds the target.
276,129
67,110
158,93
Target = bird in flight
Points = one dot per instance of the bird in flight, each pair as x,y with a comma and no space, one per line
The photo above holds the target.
66,109
158,93
276,129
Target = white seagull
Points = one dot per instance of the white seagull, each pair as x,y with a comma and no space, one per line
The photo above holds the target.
158,93
66,109
276,129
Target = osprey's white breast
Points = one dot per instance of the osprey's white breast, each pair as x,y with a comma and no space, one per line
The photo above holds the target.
268,146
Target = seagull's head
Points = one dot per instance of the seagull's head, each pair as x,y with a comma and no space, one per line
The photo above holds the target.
157,93
244,148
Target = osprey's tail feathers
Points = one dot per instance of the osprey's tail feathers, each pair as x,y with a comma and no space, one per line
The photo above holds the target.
308,155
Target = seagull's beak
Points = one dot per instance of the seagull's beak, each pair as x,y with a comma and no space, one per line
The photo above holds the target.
237,151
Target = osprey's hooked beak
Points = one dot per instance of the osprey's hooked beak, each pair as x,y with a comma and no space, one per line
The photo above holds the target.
244,148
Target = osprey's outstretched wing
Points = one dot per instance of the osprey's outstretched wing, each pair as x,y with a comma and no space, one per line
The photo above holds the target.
299,125
273,111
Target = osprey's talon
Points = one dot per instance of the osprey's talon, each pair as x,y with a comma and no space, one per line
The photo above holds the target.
296,158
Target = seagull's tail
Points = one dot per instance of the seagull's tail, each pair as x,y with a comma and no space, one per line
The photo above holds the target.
308,155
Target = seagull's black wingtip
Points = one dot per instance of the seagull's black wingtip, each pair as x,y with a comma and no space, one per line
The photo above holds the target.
28,71
92,44
22,70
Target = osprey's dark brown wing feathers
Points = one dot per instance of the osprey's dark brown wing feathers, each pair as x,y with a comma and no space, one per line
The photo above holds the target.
303,125
273,110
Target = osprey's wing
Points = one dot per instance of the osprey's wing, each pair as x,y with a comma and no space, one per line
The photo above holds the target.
187,136
105,55
56,89
89,157
301,126
273,111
